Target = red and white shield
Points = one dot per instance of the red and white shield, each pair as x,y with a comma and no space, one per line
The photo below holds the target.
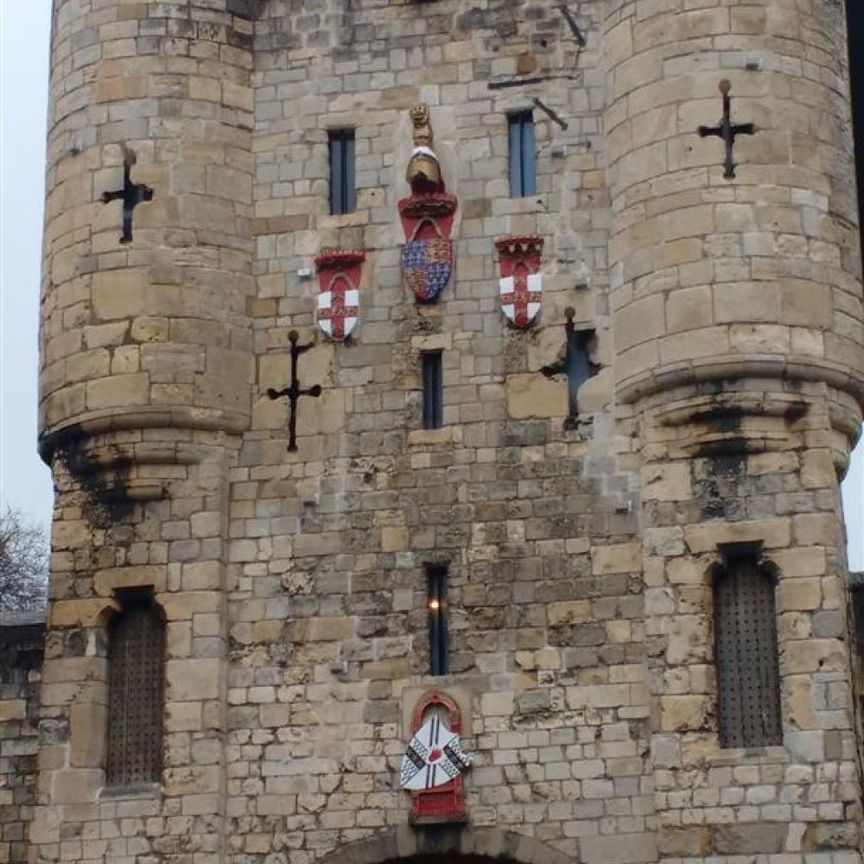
521,285
339,272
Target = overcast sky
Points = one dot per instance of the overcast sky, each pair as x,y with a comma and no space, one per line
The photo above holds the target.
24,481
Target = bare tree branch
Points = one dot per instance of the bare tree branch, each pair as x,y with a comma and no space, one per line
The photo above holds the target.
24,553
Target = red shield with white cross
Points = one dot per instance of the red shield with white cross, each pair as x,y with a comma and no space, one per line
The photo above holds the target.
339,273
521,285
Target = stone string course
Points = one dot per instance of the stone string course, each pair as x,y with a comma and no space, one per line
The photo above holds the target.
730,347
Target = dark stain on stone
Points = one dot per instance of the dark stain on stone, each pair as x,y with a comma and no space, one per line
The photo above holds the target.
796,412
718,492
247,9
106,489
722,419
728,448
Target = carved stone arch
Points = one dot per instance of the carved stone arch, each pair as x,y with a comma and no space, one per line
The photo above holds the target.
465,845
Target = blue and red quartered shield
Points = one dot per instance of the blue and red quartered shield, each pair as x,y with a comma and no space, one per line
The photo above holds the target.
427,266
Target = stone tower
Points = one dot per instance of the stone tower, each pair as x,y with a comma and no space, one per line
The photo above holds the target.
573,377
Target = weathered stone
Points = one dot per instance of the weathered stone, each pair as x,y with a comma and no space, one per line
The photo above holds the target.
754,838
585,533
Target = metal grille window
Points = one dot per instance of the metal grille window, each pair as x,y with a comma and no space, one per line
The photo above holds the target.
343,195
748,676
523,168
439,659
136,652
433,390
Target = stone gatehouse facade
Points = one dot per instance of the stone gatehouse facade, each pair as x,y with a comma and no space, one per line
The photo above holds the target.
397,348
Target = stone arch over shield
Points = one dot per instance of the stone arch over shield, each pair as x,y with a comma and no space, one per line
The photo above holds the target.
447,845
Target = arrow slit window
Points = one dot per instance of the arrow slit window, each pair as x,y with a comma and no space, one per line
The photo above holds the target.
439,647
433,390
136,670
746,654
343,193
523,157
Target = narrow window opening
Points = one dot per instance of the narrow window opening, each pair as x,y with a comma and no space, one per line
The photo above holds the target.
343,194
433,390
746,654
136,652
439,660
523,168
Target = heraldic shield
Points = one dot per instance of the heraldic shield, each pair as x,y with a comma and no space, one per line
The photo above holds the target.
521,285
427,217
434,761
427,266
339,272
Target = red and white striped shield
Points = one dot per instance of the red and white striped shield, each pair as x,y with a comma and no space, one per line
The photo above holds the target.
434,757
339,272
521,285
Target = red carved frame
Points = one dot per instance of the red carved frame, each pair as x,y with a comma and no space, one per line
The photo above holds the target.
444,803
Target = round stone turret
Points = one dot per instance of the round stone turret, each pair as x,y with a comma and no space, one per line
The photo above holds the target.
719,277
147,271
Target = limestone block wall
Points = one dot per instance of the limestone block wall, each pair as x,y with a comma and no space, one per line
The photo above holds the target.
856,581
153,331
146,383
715,278
736,310
706,486
21,637
533,520
579,550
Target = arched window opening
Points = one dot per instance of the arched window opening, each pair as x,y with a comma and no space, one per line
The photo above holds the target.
136,652
746,655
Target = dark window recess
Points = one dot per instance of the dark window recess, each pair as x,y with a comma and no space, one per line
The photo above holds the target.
136,670
745,652
858,617
523,167
343,195
433,390
439,660
855,24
